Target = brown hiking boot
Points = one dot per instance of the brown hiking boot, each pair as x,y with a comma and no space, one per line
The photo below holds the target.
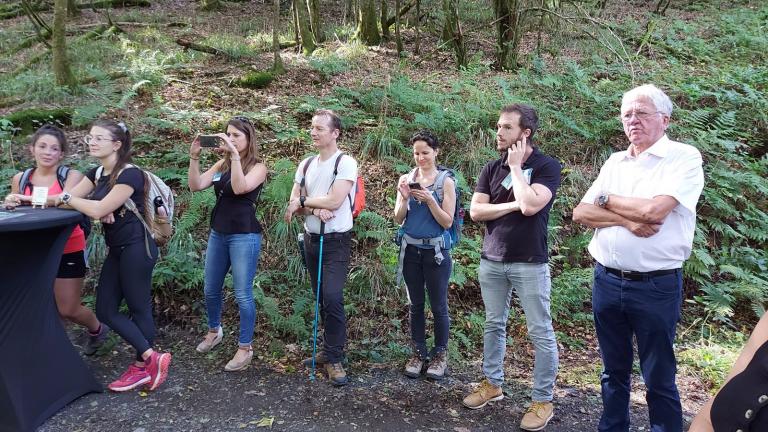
336,374
438,366
537,416
414,366
320,359
485,393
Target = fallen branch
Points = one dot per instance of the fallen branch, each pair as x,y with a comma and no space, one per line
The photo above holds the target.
129,24
112,76
403,10
202,48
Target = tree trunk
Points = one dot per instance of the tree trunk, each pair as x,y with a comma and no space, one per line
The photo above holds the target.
452,29
72,9
315,21
398,39
308,44
506,13
383,18
277,66
349,11
417,49
209,5
367,27
64,76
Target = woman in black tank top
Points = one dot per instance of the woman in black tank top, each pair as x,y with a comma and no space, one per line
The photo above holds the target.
740,403
235,238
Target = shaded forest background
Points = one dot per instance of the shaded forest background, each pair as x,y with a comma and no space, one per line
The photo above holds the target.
171,69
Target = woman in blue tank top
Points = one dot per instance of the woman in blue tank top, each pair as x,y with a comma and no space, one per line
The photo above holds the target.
425,219
235,238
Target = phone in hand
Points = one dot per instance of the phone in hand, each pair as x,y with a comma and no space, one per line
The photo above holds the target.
211,141
414,185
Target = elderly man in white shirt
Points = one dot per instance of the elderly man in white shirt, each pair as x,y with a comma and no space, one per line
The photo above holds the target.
643,208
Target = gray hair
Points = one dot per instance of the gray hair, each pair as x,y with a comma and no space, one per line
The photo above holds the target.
660,99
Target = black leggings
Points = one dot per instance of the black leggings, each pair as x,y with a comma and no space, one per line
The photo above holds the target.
127,274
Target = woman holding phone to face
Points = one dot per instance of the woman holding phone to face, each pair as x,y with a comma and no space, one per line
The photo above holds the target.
48,146
127,270
235,238
426,262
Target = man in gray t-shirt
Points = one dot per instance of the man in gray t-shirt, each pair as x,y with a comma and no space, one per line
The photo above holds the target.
322,191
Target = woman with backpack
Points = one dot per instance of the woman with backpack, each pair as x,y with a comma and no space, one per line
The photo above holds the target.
425,217
127,271
48,147
235,238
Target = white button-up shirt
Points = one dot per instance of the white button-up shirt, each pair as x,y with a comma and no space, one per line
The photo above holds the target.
666,168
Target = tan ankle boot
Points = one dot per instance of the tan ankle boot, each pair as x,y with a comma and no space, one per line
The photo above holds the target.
235,365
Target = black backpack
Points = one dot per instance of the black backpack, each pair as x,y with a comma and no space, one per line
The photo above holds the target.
61,176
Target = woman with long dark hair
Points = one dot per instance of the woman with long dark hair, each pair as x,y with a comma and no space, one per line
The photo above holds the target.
127,270
48,146
235,238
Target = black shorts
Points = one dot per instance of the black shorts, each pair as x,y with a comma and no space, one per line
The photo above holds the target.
72,266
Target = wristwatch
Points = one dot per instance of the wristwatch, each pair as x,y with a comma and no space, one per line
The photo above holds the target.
65,197
602,200
301,200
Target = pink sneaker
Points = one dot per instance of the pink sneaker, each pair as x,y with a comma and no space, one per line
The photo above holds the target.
157,368
131,379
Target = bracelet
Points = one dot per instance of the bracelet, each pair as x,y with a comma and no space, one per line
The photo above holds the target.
197,158
234,160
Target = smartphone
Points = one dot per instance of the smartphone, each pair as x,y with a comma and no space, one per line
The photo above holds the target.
414,185
209,140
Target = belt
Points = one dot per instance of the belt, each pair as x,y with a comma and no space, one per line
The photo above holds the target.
636,275
333,235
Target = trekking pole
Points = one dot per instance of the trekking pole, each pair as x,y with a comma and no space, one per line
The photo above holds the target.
317,300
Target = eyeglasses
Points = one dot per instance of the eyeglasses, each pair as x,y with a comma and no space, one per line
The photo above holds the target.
640,115
97,139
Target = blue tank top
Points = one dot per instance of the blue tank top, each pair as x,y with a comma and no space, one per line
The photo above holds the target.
419,222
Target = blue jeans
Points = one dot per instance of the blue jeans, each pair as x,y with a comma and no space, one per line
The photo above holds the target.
241,252
532,283
648,309
420,271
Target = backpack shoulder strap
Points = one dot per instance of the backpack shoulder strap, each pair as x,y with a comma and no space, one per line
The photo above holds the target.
307,162
336,166
24,180
61,175
412,175
440,183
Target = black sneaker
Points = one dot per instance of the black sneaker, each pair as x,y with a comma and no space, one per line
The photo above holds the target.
95,342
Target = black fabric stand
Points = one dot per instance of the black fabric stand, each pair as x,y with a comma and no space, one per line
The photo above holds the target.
40,371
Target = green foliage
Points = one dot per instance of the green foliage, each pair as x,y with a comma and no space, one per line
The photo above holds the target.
27,120
255,80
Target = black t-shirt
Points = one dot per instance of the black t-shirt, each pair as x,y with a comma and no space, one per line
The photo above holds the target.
234,214
515,237
127,228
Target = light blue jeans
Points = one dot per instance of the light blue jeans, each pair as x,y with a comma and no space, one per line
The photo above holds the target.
241,253
532,283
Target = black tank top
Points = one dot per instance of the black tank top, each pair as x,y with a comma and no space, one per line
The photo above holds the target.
740,404
234,214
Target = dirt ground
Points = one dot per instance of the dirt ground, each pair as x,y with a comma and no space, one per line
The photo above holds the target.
200,396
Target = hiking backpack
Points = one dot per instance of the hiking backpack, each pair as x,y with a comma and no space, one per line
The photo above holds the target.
356,204
159,199
61,176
